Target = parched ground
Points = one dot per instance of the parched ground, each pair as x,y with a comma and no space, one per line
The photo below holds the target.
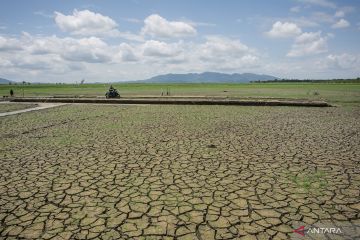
9,107
178,172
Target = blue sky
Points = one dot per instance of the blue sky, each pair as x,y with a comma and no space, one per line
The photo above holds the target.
66,41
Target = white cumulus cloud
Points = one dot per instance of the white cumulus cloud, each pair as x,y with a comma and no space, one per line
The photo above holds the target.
86,23
87,50
217,46
339,13
157,26
321,3
283,30
91,49
127,53
160,49
343,61
9,44
342,23
308,43
5,62
295,9
223,53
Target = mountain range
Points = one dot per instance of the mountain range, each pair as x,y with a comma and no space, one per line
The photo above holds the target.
208,77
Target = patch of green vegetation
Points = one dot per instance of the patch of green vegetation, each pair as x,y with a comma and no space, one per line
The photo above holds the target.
310,181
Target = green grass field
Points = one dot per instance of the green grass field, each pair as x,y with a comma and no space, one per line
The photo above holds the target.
332,92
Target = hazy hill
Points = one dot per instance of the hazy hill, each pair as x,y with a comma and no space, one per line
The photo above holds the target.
5,81
208,77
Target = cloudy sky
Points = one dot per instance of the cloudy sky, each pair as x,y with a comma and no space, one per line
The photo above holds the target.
53,41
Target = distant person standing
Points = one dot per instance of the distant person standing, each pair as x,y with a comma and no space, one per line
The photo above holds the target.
11,93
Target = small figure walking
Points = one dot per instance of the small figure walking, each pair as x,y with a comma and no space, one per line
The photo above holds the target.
11,93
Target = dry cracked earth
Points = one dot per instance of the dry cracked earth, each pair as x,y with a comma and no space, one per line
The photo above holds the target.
178,172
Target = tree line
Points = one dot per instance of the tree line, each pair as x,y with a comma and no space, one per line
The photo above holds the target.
340,80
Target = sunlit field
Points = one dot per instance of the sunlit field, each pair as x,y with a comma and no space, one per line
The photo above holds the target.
332,92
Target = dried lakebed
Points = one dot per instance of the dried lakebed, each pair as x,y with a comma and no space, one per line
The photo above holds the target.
177,172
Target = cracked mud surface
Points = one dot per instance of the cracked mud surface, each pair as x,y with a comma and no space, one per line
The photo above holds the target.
177,172
9,107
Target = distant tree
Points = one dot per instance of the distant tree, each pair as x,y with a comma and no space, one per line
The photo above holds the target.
82,81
